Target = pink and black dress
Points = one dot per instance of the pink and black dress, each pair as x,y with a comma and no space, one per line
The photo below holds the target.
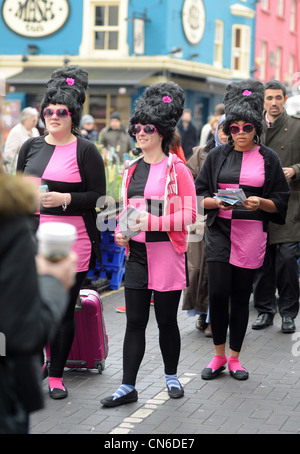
239,236
78,169
157,258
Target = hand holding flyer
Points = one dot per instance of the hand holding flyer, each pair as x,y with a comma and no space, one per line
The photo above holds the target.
231,196
127,218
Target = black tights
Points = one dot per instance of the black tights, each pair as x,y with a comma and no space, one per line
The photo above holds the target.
137,313
229,286
61,345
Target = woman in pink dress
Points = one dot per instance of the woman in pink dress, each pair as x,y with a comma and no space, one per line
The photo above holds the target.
73,171
236,235
161,187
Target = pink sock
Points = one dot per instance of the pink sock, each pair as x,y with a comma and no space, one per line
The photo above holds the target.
217,362
234,364
55,382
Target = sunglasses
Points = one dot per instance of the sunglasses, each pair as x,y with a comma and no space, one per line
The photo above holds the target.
61,113
150,130
246,128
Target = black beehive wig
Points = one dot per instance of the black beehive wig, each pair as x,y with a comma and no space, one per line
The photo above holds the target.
67,86
244,101
161,105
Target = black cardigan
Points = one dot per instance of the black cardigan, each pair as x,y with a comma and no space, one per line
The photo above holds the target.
275,186
93,186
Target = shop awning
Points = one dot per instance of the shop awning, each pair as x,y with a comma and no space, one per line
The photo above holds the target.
97,76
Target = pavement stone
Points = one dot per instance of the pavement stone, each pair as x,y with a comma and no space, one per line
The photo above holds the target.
267,403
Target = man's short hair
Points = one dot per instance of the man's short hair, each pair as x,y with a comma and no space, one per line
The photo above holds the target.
275,85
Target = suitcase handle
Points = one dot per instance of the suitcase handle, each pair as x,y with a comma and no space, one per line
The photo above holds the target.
78,307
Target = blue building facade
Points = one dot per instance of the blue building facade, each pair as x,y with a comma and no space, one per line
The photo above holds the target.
126,45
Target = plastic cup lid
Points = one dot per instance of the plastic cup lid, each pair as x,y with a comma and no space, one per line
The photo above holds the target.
57,231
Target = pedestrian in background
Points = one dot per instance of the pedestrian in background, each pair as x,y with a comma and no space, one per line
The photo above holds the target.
189,136
235,237
33,300
115,136
281,270
88,130
73,170
25,129
206,132
162,188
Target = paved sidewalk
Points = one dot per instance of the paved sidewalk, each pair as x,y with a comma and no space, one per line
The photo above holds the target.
267,403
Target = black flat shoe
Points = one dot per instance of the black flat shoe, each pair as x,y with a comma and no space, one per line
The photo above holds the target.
176,393
210,374
288,325
262,321
111,402
240,374
57,393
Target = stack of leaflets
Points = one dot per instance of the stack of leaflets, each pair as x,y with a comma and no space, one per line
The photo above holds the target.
127,218
231,196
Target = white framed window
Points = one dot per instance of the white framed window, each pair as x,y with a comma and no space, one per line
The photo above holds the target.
263,60
280,8
219,39
278,63
265,5
241,44
293,16
104,28
291,67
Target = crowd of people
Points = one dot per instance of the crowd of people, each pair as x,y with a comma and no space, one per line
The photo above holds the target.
186,241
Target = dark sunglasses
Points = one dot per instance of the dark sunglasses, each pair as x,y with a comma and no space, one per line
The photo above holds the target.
246,128
61,113
148,129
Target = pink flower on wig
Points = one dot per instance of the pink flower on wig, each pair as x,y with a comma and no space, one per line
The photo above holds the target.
167,99
247,93
70,81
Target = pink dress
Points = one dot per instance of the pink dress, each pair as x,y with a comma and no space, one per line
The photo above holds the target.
152,256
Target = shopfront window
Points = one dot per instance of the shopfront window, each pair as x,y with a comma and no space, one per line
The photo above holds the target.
102,106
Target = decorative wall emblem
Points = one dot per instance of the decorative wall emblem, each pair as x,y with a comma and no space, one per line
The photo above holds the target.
35,18
193,20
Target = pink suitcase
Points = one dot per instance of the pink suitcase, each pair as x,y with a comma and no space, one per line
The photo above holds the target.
90,346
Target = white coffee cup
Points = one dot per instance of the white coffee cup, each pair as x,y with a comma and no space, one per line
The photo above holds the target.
56,239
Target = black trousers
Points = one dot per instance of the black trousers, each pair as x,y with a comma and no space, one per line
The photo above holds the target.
137,314
280,270
229,290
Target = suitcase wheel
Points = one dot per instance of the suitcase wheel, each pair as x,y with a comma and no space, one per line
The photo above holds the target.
100,366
